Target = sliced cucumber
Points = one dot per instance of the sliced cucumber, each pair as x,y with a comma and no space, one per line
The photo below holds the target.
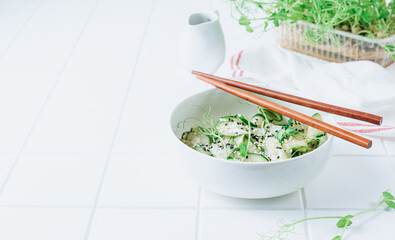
298,126
258,131
194,138
235,156
246,121
272,147
231,126
259,120
317,141
277,130
217,149
268,136
273,117
253,157
293,144
251,147
203,149
315,137
250,157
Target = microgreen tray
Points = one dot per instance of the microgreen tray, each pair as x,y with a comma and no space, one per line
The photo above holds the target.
334,45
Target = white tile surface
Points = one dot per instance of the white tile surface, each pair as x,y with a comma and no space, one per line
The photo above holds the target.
43,223
390,144
84,68
376,225
342,147
13,17
54,180
350,182
245,224
158,64
147,181
6,161
143,224
32,64
213,200
86,105
392,161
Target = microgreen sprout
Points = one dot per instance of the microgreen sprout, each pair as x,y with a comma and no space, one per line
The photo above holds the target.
343,221
368,18
206,125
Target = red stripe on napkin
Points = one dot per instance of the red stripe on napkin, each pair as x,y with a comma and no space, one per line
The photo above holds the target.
351,124
234,65
231,66
238,61
370,130
365,128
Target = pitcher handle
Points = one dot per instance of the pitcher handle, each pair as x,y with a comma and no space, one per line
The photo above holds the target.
215,12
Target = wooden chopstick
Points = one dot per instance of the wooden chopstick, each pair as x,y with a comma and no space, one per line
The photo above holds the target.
315,123
350,113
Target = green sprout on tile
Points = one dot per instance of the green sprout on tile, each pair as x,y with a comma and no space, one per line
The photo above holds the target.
343,223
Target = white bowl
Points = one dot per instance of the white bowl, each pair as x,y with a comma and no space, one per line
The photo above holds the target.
243,179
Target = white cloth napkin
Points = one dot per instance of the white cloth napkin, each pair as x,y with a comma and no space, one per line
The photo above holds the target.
362,85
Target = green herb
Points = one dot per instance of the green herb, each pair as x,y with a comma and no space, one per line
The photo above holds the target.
369,18
207,125
344,221
243,149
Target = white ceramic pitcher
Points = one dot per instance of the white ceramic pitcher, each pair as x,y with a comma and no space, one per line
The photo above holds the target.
202,44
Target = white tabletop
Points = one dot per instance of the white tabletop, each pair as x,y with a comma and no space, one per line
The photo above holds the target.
85,84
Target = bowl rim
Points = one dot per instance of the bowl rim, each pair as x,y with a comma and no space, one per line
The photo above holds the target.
245,163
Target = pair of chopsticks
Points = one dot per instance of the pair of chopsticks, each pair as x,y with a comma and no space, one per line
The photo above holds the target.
229,86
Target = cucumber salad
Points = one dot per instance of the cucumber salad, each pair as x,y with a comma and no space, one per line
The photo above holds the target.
267,136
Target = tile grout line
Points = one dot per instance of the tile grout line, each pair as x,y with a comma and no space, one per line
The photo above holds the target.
123,106
100,207
358,155
164,207
21,29
198,212
19,154
167,154
388,156
90,153
303,203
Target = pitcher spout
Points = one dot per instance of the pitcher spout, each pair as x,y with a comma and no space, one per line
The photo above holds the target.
203,18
